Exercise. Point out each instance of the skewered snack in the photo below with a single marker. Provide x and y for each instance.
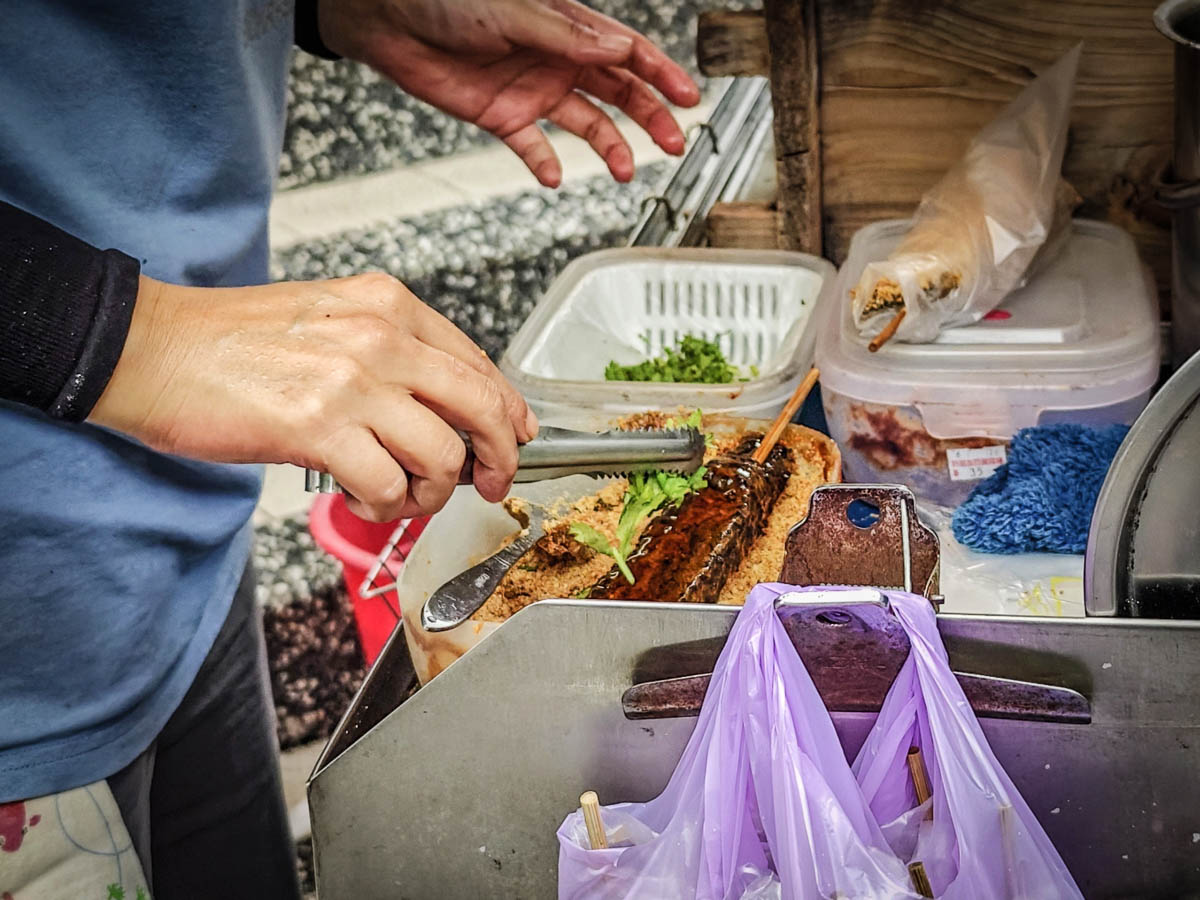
(687, 554)
(559, 573)
(977, 231)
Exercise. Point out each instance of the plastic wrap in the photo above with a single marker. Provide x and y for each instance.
(761, 796)
(1021, 584)
(982, 839)
(977, 230)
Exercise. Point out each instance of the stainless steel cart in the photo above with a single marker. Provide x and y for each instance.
(456, 790)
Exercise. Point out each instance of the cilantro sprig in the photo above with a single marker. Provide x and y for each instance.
(694, 420)
(693, 360)
(647, 492)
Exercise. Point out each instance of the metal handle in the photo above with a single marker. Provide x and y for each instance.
(320, 482)
(853, 648)
(323, 483)
(558, 452)
(1178, 195)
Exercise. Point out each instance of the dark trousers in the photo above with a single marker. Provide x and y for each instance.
(204, 803)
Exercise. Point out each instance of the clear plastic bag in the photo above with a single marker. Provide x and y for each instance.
(762, 803)
(977, 231)
(982, 841)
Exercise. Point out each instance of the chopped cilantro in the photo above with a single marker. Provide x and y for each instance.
(693, 360)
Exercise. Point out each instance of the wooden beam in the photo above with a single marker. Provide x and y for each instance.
(731, 42)
(744, 226)
(795, 94)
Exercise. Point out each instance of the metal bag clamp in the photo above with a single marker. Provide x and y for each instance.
(863, 534)
(850, 642)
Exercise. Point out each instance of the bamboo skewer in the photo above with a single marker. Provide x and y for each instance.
(920, 778)
(771, 438)
(920, 880)
(916, 767)
(889, 330)
(590, 804)
(1007, 838)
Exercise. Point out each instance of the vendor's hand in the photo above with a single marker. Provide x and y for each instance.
(505, 64)
(355, 376)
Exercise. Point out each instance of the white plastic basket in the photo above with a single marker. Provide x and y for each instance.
(627, 305)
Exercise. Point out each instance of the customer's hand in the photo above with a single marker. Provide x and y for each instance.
(505, 64)
(354, 376)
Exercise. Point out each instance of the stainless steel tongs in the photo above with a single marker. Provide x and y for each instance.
(558, 452)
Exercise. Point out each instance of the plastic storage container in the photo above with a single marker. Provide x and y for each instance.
(626, 305)
(1079, 343)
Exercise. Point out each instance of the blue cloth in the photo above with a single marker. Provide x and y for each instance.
(151, 126)
(1042, 499)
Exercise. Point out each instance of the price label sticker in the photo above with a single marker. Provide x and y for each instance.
(975, 463)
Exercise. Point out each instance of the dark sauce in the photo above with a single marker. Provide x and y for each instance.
(687, 554)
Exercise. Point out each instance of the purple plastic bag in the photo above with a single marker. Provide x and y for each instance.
(761, 805)
(983, 841)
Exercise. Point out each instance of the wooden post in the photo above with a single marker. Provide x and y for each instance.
(795, 91)
(744, 226)
(731, 42)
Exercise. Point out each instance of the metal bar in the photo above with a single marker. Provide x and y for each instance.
(716, 151)
(853, 647)
(369, 589)
(751, 160)
(990, 698)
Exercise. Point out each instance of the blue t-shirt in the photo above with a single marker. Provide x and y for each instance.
(153, 127)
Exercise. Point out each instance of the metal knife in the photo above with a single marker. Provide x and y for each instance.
(459, 598)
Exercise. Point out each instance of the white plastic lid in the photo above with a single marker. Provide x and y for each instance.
(1082, 334)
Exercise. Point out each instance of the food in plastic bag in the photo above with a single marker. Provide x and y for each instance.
(982, 840)
(762, 803)
(977, 230)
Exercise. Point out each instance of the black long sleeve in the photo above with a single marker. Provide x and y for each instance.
(307, 33)
(65, 308)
